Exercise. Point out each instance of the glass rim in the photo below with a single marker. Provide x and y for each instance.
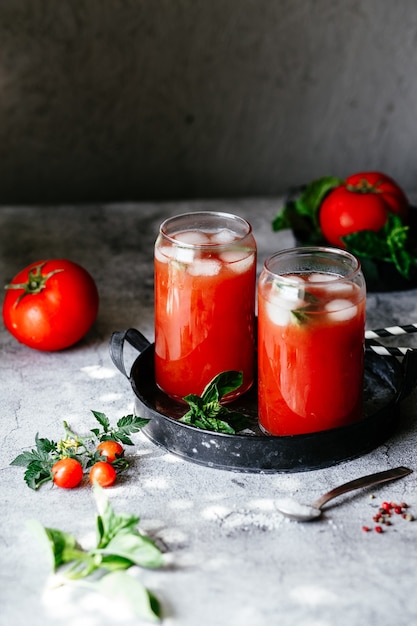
(197, 214)
(310, 250)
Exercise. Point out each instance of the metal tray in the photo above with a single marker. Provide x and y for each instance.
(387, 382)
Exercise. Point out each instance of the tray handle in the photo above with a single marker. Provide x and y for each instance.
(117, 342)
(409, 366)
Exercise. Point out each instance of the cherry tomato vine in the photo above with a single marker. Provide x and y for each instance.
(100, 453)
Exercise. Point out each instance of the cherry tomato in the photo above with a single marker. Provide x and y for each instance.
(111, 450)
(67, 473)
(361, 203)
(50, 305)
(103, 473)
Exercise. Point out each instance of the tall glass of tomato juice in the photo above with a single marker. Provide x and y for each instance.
(205, 275)
(311, 325)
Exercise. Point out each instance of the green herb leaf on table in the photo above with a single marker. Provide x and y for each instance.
(120, 546)
(208, 413)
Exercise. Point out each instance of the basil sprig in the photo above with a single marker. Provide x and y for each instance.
(103, 569)
(208, 413)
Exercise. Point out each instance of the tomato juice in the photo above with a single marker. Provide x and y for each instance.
(204, 305)
(310, 352)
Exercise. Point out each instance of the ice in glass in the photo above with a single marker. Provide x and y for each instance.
(311, 324)
(205, 273)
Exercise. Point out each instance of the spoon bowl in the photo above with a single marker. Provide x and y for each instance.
(306, 513)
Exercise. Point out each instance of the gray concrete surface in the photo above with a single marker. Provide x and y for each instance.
(230, 556)
(105, 100)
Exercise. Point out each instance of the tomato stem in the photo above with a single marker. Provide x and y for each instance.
(364, 186)
(35, 283)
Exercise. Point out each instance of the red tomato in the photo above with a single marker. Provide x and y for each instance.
(50, 305)
(67, 473)
(361, 203)
(111, 450)
(103, 473)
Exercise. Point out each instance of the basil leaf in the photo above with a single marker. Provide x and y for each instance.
(60, 545)
(206, 410)
(108, 523)
(135, 547)
(391, 244)
(222, 384)
(301, 213)
(120, 585)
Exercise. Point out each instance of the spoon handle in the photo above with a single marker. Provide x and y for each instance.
(364, 481)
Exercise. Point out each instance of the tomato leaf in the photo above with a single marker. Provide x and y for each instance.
(37, 473)
(38, 462)
(127, 425)
(102, 419)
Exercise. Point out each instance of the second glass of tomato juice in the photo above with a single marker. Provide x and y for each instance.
(205, 276)
(311, 325)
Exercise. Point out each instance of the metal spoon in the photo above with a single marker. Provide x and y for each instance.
(305, 513)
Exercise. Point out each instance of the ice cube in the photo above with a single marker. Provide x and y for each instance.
(184, 255)
(277, 314)
(225, 235)
(290, 295)
(192, 237)
(318, 277)
(237, 260)
(341, 310)
(341, 290)
(164, 254)
(205, 267)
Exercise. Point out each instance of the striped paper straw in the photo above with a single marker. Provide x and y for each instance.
(391, 331)
(376, 347)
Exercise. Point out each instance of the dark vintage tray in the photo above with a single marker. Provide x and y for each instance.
(387, 382)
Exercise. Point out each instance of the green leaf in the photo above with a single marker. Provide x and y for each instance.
(108, 522)
(60, 545)
(139, 549)
(120, 585)
(126, 426)
(45, 446)
(205, 411)
(23, 459)
(102, 420)
(313, 195)
(112, 562)
(222, 384)
(391, 244)
(216, 425)
(37, 473)
(42, 452)
(301, 213)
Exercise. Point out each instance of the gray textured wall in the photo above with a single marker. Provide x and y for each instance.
(134, 99)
